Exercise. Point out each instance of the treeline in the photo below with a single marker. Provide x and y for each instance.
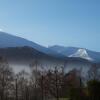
(41, 84)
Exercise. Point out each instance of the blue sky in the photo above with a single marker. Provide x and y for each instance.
(49, 22)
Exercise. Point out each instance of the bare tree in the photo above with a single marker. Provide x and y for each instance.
(6, 77)
(51, 83)
(21, 85)
(94, 72)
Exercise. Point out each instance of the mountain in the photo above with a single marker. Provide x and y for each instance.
(82, 53)
(77, 52)
(24, 54)
(63, 50)
(8, 40)
(20, 58)
(20, 53)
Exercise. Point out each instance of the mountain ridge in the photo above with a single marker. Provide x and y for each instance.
(68, 51)
(8, 40)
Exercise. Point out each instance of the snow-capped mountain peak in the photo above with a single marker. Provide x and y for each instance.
(82, 53)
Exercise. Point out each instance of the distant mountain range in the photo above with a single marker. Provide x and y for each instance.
(10, 43)
(8, 40)
(77, 52)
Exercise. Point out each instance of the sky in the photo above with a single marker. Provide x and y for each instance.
(53, 22)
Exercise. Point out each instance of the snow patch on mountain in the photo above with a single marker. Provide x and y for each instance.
(82, 53)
